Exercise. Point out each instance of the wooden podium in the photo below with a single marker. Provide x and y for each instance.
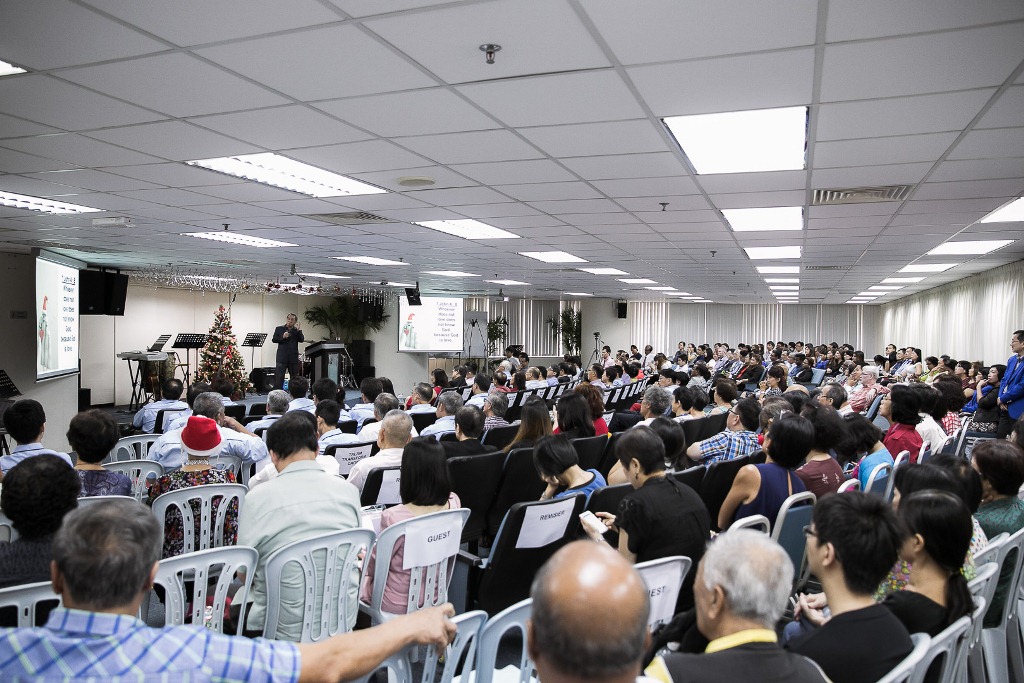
(330, 359)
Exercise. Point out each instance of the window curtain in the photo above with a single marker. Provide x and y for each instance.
(527, 321)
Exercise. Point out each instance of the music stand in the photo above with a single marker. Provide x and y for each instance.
(255, 340)
(158, 345)
(189, 342)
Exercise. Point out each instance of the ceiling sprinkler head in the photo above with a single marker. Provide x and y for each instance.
(489, 49)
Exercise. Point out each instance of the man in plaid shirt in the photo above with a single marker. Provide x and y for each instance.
(737, 440)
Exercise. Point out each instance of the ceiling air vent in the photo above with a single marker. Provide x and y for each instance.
(349, 218)
(828, 267)
(861, 195)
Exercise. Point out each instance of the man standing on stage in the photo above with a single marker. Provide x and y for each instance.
(287, 338)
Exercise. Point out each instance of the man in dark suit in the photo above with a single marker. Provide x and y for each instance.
(469, 426)
(287, 337)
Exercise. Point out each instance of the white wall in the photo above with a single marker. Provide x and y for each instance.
(599, 315)
(17, 351)
(403, 369)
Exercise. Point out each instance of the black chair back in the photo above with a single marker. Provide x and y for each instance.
(607, 499)
(422, 420)
(590, 451)
(369, 421)
(161, 415)
(237, 412)
(372, 486)
(348, 426)
(499, 437)
(717, 482)
(519, 483)
(258, 409)
(448, 436)
(475, 480)
(692, 430)
(609, 458)
(693, 477)
(713, 424)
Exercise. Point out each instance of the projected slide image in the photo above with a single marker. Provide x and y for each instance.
(56, 319)
(436, 325)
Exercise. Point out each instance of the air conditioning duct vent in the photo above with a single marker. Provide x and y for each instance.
(861, 195)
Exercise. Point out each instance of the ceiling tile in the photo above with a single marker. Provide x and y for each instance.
(174, 140)
(97, 181)
(753, 182)
(542, 191)
(78, 149)
(613, 137)
(979, 169)
(841, 153)
(45, 99)
(626, 166)
(900, 115)
(358, 157)
(174, 174)
(998, 142)
(866, 176)
(410, 113)
(1008, 111)
(471, 147)
(282, 127)
(513, 172)
(16, 162)
(646, 187)
(855, 19)
(460, 196)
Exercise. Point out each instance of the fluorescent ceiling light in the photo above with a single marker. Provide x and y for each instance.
(968, 248)
(869, 295)
(553, 256)
(21, 201)
(1011, 213)
(507, 282)
(469, 229)
(776, 288)
(451, 273)
(757, 253)
(777, 218)
(604, 271)
(326, 276)
(778, 270)
(392, 284)
(371, 260)
(636, 281)
(578, 294)
(787, 280)
(901, 280)
(288, 174)
(927, 267)
(743, 141)
(7, 69)
(662, 289)
(676, 292)
(883, 288)
(692, 298)
(239, 239)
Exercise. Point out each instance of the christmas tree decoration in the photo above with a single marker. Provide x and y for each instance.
(221, 356)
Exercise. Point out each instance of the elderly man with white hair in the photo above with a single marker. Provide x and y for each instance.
(863, 394)
(740, 591)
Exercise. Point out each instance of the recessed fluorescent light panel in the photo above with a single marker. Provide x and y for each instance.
(288, 174)
(370, 260)
(9, 69)
(782, 280)
(507, 282)
(968, 248)
(757, 253)
(676, 292)
(636, 281)
(777, 218)
(743, 141)
(392, 284)
(21, 201)
(927, 267)
(451, 273)
(883, 288)
(661, 289)
(778, 270)
(577, 294)
(239, 239)
(901, 280)
(604, 271)
(552, 256)
(869, 295)
(776, 288)
(326, 276)
(1011, 213)
(468, 229)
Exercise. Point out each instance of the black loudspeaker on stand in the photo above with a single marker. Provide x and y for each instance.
(620, 308)
(262, 379)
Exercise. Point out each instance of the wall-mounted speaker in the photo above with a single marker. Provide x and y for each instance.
(620, 308)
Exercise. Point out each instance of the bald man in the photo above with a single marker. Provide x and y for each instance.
(589, 617)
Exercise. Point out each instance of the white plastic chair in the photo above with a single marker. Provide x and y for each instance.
(924, 454)
(983, 587)
(211, 523)
(664, 578)
(972, 665)
(429, 563)
(7, 531)
(198, 570)
(902, 460)
(512, 618)
(849, 485)
(951, 646)
(878, 482)
(788, 532)
(755, 522)
(224, 461)
(26, 597)
(904, 671)
(1001, 644)
(140, 472)
(131, 448)
(328, 568)
(93, 500)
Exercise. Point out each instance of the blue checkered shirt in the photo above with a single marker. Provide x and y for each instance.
(76, 644)
(728, 445)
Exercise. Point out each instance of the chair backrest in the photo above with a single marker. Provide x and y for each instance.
(968, 440)
(519, 483)
(529, 535)
(211, 522)
(187, 579)
(692, 477)
(692, 430)
(817, 376)
(7, 532)
(607, 498)
(849, 485)
(872, 410)
(140, 472)
(328, 568)
(27, 598)
(611, 398)
(590, 451)
(788, 530)
(972, 651)
(236, 411)
(711, 425)
(431, 543)
(131, 448)
(164, 417)
(983, 589)
(475, 479)
(257, 410)
(904, 671)
(664, 579)
(902, 460)
(231, 463)
(924, 454)
(381, 487)
(349, 454)
(717, 484)
(93, 500)
(990, 553)
(512, 618)
(755, 522)
(1008, 557)
(945, 651)
(419, 420)
(499, 437)
(878, 482)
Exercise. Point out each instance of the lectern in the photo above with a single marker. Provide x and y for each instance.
(330, 359)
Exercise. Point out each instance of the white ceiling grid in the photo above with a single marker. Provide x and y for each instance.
(559, 141)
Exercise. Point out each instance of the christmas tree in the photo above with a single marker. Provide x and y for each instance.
(221, 355)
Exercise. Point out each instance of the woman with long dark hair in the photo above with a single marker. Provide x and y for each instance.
(901, 407)
(534, 424)
(986, 401)
(572, 413)
(439, 378)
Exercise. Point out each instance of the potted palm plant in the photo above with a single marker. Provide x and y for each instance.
(342, 320)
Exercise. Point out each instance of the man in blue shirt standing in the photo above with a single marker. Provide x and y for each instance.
(1011, 389)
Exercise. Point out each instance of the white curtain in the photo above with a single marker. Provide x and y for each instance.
(649, 324)
(970, 319)
(527, 321)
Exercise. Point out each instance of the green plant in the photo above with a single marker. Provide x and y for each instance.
(341, 319)
(497, 331)
(567, 329)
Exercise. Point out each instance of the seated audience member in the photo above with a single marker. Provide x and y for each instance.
(369, 389)
(495, 408)
(200, 439)
(576, 594)
(835, 397)
(302, 501)
(671, 434)
(424, 487)
(448, 404)
(595, 401)
(901, 407)
(277, 405)
(226, 389)
(774, 383)
(170, 399)
(573, 417)
(388, 387)
(761, 489)
(535, 379)
(237, 440)
(654, 404)
(458, 379)
(92, 435)
(852, 542)
(863, 445)
(551, 375)
(382, 405)
(931, 433)
(822, 474)
(395, 433)
(178, 420)
(36, 495)
(95, 634)
(660, 517)
(558, 466)
(986, 400)
(534, 424)
(471, 370)
(1017, 433)
(25, 421)
(499, 381)
(740, 591)
(439, 380)
(328, 463)
(684, 404)
(737, 440)
(469, 427)
(609, 375)
(725, 393)
(325, 389)
(1001, 466)
(327, 415)
(478, 394)
(421, 398)
(700, 376)
(298, 387)
(951, 402)
(862, 396)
